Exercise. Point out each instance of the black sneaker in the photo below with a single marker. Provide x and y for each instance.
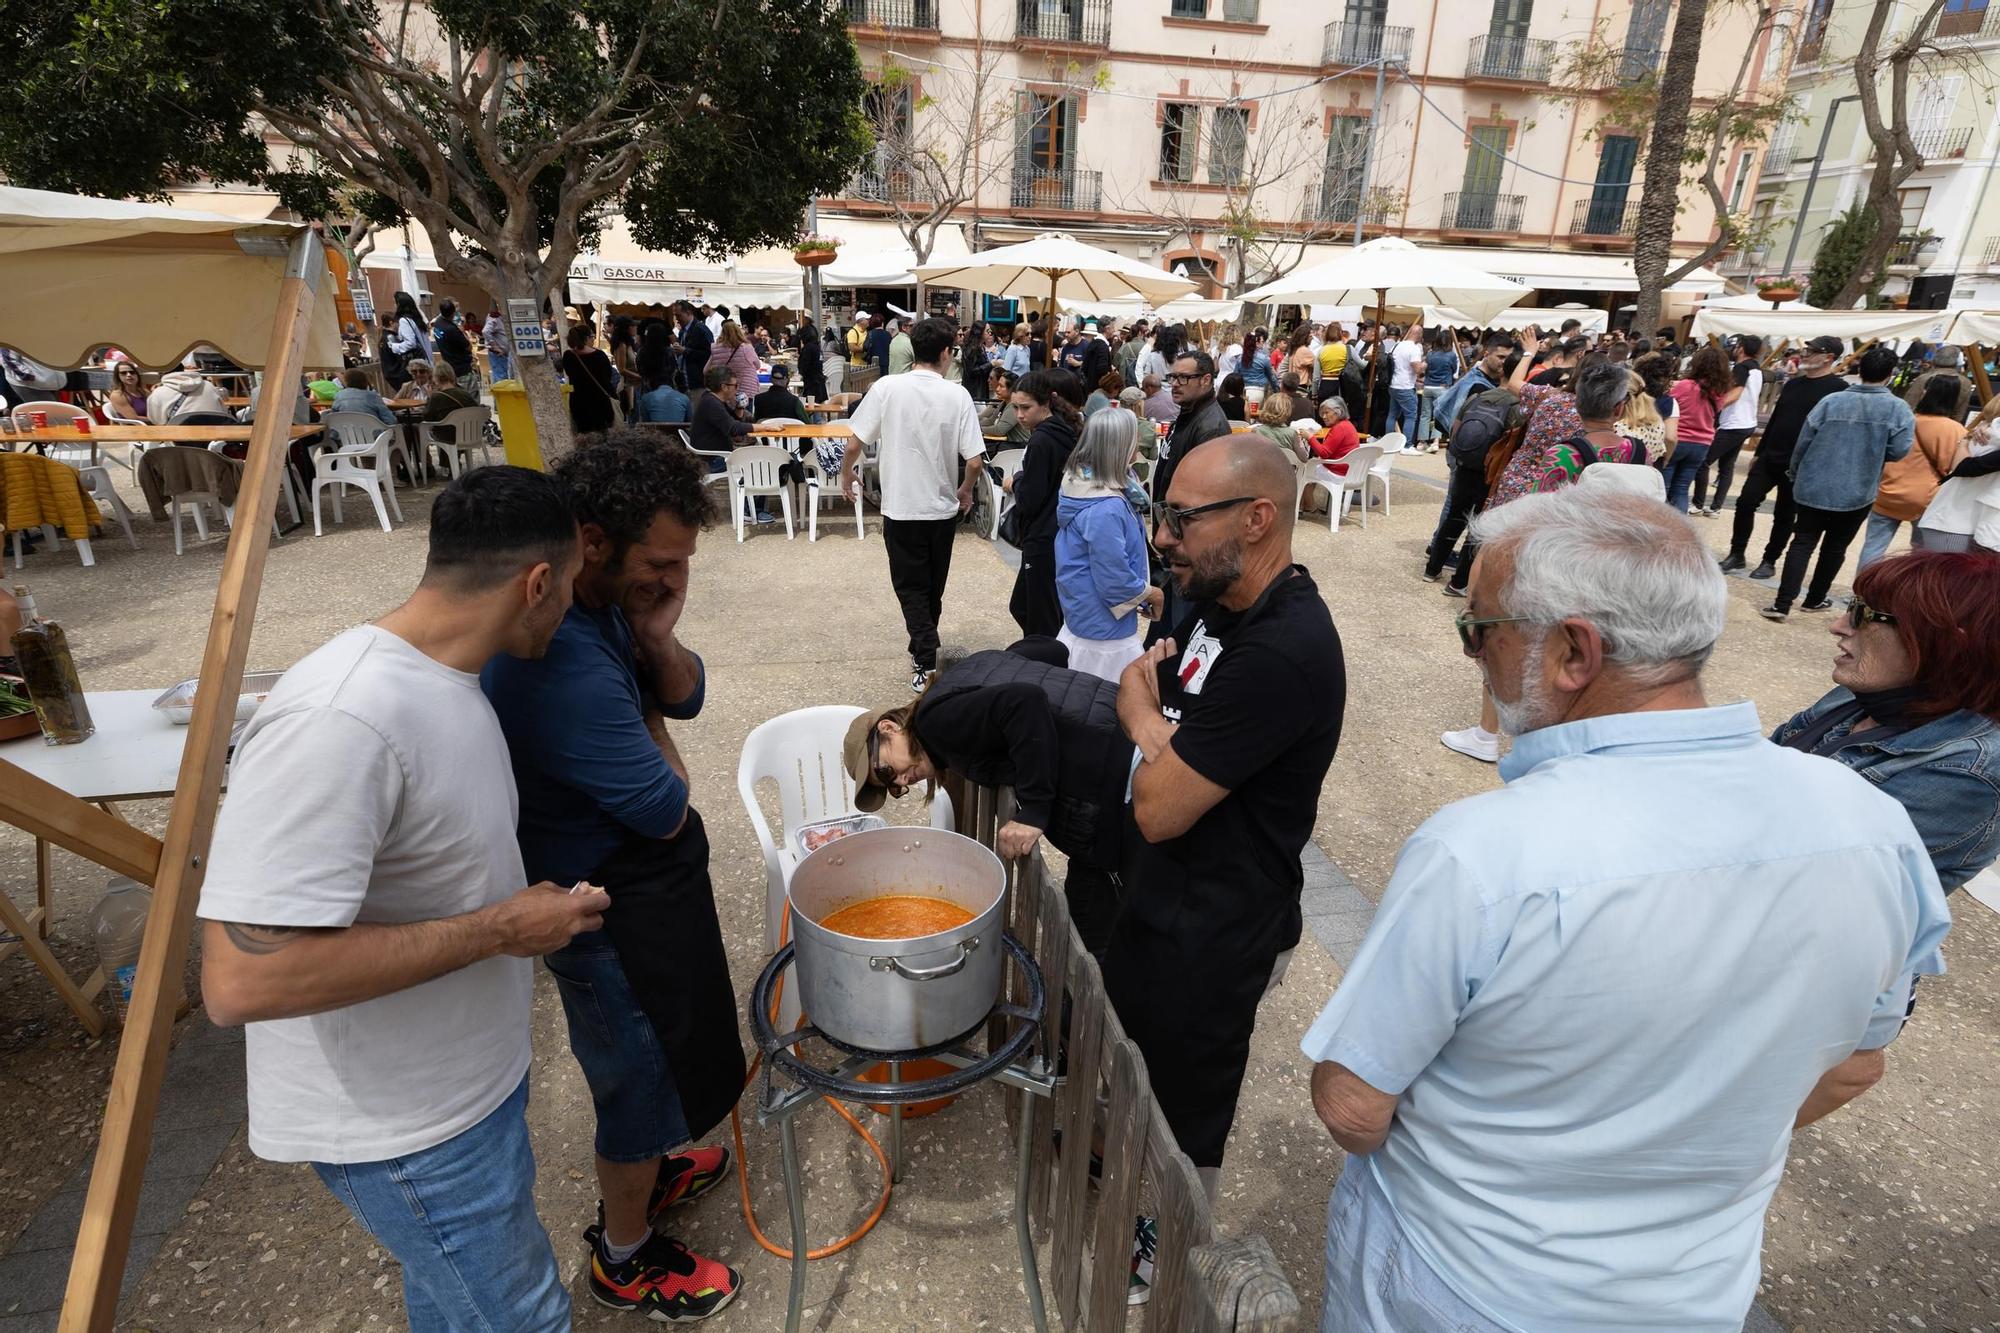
(1452, 591)
(1731, 563)
(1145, 1243)
(1823, 604)
(1433, 577)
(663, 1279)
(920, 680)
(1767, 570)
(1775, 612)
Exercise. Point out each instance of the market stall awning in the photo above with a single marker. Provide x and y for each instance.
(1551, 270)
(1752, 301)
(250, 206)
(1390, 271)
(1975, 326)
(1056, 265)
(80, 273)
(1798, 325)
(870, 262)
(1546, 318)
(1180, 309)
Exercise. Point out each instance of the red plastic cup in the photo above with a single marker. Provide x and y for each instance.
(82, 425)
(40, 420)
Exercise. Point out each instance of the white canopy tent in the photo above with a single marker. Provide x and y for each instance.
(1975, 326)
(890, 264)
(1888, 326)
(1546, 318)
(1180, 309)
(1547, 270)
(1752, 301)
(1391, 271)
(66, 259)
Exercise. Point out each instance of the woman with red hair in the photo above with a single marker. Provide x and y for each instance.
(1917, 699)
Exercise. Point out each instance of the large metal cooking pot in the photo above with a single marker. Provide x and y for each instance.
(898, 995)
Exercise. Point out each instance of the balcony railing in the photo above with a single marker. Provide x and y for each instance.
(1064, 189)
(889, 184)
(1604, 217)
(922, 14)
(1483, 212)
(1365, 43)
(1070, 22)
(1969, 23)
(1778, 154)
(1905, 253)
(1338, 202)
(1989, 258)
(1524, 58)
(1636, 62)
(1938, 142)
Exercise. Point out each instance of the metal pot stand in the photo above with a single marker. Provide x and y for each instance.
(1019, 1062)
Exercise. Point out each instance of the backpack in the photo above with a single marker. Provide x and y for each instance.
(1482, 422)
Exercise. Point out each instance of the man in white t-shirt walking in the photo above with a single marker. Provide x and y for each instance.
(930, 455)
(364, 915)
(1406, 373)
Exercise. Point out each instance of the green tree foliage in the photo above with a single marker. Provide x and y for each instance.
(1842, 251)
(506, 131)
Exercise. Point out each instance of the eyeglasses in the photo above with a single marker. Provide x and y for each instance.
(1182, 377)
(1174, 518)
(1860, 613)
(1471, 629)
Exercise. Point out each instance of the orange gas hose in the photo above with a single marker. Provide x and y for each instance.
(736, 1129)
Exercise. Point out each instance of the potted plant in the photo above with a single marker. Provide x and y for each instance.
(812, 250)
(1779, 290)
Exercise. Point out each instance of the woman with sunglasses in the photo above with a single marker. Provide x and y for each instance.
(1011, 718)
(1917, 699)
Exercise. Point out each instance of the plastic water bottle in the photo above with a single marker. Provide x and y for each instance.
(119, 925)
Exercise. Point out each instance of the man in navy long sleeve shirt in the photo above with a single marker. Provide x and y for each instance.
(604, 799)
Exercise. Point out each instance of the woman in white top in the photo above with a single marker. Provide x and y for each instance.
(1964, 515)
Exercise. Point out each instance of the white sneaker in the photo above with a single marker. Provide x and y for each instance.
(1476, 742)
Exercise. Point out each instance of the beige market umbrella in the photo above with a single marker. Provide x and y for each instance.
(1059, 264)
(1391, 271)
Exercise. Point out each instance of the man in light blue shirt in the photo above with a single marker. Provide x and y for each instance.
(1572, 1050)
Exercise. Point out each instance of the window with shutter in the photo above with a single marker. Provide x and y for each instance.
(1228, 144)
(1179, 124)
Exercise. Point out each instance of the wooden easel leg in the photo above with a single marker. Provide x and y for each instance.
(51, 967)
(42, 884)
(105, 1237)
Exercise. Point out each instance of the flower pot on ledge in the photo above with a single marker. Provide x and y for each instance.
(813, 258)
(1779, 293)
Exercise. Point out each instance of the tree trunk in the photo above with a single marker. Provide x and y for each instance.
(1896, 155)
(1659, 197)
(537, 374)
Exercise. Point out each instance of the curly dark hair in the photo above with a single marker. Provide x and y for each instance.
(619, 480)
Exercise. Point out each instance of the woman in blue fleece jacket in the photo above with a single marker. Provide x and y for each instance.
(1101, 550)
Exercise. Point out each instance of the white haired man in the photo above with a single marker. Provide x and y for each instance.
(1571, 1052)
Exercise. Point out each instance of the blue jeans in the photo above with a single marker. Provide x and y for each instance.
(1681, 470)
(1427, 428)
(1881, 531)
(501, 367)
(1403, 411)
(1375, 1278)
(460, 1219)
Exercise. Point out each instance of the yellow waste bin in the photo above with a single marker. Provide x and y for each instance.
(517, 423)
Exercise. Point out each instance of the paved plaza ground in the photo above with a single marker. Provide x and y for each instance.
(1885, 1218)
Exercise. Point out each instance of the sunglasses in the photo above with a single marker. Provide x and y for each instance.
(1174, 518)
(884, 776)
(1859, 613)
(1472, 630)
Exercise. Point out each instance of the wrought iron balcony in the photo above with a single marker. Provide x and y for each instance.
(920, 14)
(1779, 153)
(888, 184)
(1522, 59)
(1482, 212)
(1062, 190)
(1339, 202)
(1350, 43)
(1989, 259)
(1064, 22)
(1938, 142)
(1913, 251)
(1604, 217)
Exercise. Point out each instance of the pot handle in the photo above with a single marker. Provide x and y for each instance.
(956, 965)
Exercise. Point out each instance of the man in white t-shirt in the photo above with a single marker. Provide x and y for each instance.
(1734, 424)
(1406, 362)
(930, 455)
(364, 915)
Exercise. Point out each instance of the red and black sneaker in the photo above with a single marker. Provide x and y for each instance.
(663, 1279)
(685, 1176)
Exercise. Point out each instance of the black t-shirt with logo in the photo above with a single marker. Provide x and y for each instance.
(1259, 696)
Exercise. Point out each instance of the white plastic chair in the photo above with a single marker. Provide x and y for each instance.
(353, 430)
(1009, 463)
(468, 435)
(1392, 443)
(96, 477)
(362, 466)
(820, 487)
(754, 470)
(1339, 487)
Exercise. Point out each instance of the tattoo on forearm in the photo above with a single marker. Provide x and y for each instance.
(260, 939)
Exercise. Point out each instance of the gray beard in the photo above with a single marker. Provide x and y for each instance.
(1534, 709)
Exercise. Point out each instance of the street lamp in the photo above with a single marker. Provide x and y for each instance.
(1799, 223)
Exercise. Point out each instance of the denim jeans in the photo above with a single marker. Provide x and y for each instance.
(1403, 409)
(1681, 469)
(1427, 430)
(1881, 531)
(460, 1219)
(1375, 1278)
(501, 367)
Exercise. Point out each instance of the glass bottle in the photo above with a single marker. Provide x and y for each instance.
(42, 650)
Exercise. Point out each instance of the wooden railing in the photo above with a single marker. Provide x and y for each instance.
(1201, 1282)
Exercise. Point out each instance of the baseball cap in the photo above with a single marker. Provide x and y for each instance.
(856, 755)
(1826, 343)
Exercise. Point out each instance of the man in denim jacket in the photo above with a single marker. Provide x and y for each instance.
(1836, 470)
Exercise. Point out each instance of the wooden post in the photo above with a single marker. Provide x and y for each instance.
(1239, 1288)
(1976, 353)
(91, 1302)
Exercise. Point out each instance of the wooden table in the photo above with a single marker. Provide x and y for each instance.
(239, 433)
(828, 430)
(135, 754)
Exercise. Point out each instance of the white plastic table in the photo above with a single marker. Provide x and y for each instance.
(135, 753)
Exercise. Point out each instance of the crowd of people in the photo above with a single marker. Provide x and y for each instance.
(1547, 1009)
